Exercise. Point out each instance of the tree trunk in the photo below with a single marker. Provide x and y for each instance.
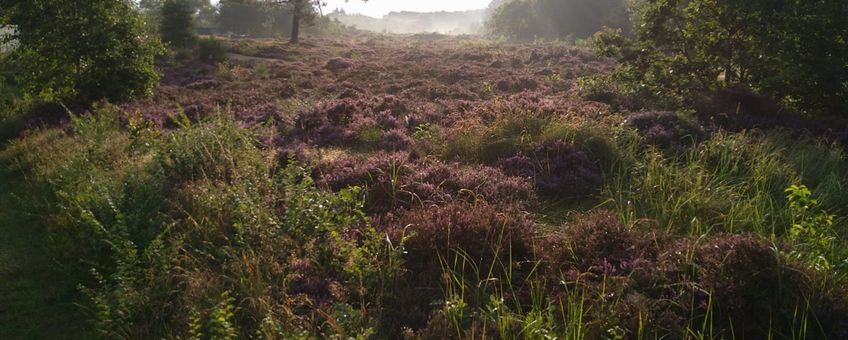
(296, 12)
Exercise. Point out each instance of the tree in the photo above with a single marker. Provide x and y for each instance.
(202, 11)
(83, 50)
(301, 10)
(249, 17)
(793, 50)
(554, 19)
(177, 26)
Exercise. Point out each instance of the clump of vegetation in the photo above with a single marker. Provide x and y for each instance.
(557, 169)
(177, 26)
(162, 220)
(549, 19)
(436, 187)
(393, 180)
(211, 50)
(666, 130)
(109, 55)
(682, 49)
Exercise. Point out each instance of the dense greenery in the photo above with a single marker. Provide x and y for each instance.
(555, 19)
(425, 187)
(177, 26)
(268, 17)
(795, 51)
(203, 11)
(159, 220)
(250, 17)
(82, 50)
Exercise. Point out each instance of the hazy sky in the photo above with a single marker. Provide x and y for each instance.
(378, 8)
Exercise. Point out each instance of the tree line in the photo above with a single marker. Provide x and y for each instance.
(791, 50)
(84, 51)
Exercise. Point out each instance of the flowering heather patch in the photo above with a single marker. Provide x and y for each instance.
(339, 64)
(439, 237)
(740, 108)
(348, 120)
(742, 278)
(395, 180)
(557, 169)
(395, 140)
(467, 148)
(666, 130)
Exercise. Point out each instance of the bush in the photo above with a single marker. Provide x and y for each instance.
(666, 130)
(550, 19)
(392, 180)
(723, 284)
(557, 169)
(110, 55)
(156, 226)
(177, 26)
(472, 238)
(211, 50)
(676, 50)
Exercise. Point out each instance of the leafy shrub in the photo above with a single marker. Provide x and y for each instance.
(527, 20)
(109, 56)
(623, 93)
(812, 232)
(211, 50)
(177, 26)
(676, 50)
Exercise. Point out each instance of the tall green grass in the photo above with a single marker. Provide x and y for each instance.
(196, 232)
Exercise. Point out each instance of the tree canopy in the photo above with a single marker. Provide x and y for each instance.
(793, 50)
(82, 50)
(553, 19)
(177, 27)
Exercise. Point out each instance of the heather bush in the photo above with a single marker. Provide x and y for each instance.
(344, 121)
(383, 177)
(666, 130)
(339, 64)
(739, 108)
(440, 237)
(557, 169)
(393, 180)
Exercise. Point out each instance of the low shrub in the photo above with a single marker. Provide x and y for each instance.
(211, 50)
(480, 238)
(666, 130)
(393, 180)
(557, 169)
(347, 121)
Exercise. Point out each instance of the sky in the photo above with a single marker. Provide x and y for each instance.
(378, 8)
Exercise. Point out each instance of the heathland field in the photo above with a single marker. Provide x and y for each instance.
(422, 186)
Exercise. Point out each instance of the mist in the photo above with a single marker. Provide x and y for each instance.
(452, 23)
